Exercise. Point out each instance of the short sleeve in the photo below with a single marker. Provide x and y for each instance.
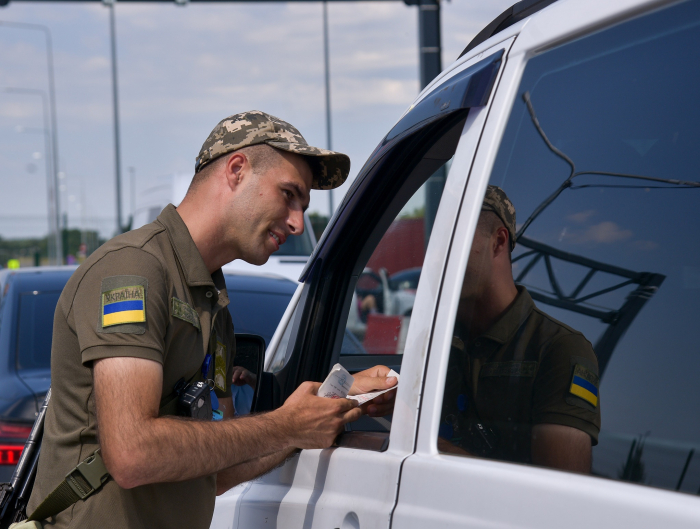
(120, 307)
(556, 398)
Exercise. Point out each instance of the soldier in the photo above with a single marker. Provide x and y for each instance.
(521, 386)
(147, 313)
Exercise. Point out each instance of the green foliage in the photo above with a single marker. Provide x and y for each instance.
(319, 223)
(34, 251)
(418, 213)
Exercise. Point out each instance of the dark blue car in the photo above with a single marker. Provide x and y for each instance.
(28, 299)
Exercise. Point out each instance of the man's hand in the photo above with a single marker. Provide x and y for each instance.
(315, 422)
(375, 379)
(241, 376)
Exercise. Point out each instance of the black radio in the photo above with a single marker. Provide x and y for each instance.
(194, 400)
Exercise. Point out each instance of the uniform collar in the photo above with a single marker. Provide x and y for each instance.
(508, 324)
(193, 267)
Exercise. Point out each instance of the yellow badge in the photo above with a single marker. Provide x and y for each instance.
(220, 366)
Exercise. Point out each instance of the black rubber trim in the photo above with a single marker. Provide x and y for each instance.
(510, 16)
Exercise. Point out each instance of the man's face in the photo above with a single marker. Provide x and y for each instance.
(270, 208)
(478, 267)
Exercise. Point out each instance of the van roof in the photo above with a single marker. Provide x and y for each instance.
(510, 16)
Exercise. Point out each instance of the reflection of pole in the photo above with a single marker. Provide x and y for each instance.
(430, 67)
(115, 106)
(52, 191)
(327, 68)
(48, 162)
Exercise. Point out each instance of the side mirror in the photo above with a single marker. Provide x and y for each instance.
(250, 354)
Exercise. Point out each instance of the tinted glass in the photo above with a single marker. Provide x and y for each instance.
(599, 160)
(35, 328)
(257, 312)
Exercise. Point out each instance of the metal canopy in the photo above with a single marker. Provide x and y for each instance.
(617, 320)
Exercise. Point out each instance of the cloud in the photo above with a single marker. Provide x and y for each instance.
(581, 217)
(606, 232)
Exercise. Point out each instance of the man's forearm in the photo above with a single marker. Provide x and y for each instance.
(211, 447)
(252, 469)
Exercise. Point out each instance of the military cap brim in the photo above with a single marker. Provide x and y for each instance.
(330, 169)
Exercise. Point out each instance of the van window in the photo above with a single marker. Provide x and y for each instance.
(587, 333)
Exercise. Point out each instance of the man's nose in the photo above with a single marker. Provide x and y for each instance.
(296, 222)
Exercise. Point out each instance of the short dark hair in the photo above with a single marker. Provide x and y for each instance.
(261, 158)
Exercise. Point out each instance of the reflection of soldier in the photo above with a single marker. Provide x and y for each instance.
(521, 386)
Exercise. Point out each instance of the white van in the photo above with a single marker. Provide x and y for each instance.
(586, 114)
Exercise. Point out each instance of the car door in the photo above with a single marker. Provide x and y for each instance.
(355, 483)
(591, 135)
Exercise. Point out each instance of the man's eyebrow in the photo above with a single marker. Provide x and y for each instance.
(300, 193)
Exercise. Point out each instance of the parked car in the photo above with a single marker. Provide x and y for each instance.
(27, 305)
(585, 113)
(28, 298)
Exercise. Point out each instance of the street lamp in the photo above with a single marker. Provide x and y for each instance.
(55, 242)
(54, 205)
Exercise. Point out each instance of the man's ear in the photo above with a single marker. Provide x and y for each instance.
(236, 168)
(501, 241)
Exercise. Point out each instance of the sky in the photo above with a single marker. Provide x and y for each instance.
(180, 71)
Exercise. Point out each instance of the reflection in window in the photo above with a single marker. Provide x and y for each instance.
(598, 158)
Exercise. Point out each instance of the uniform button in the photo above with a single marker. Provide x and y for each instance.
(209, 293)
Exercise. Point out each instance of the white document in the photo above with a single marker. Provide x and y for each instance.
(337, 383)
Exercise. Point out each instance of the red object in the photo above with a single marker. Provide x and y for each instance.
(402, 247)
(9, 454)
(15, 430)
(382, 335)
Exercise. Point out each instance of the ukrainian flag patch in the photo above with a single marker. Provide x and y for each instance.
(124, 305)
(584, 384)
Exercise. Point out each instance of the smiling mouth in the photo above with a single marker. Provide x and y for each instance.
(277, 239)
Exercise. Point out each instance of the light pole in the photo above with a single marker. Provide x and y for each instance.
(327, 76)
(55, 243)
(54, 204)
(115, 108)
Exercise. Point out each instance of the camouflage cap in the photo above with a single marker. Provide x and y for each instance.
(330, 169)
(497, 201)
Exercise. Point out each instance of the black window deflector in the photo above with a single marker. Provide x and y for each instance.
(470, 88)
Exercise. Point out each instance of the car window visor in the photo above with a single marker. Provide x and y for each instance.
(469, 88)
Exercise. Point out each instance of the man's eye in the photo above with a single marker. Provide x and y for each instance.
(288, 194)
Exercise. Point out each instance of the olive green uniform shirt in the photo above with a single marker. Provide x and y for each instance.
(158, 268)
(517, 374)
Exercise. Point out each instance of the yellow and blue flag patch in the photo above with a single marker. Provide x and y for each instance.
(584, 384)
(123, 305)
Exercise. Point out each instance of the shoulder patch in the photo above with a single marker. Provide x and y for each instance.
(185, 312)
(123, 304)
(584, 384)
